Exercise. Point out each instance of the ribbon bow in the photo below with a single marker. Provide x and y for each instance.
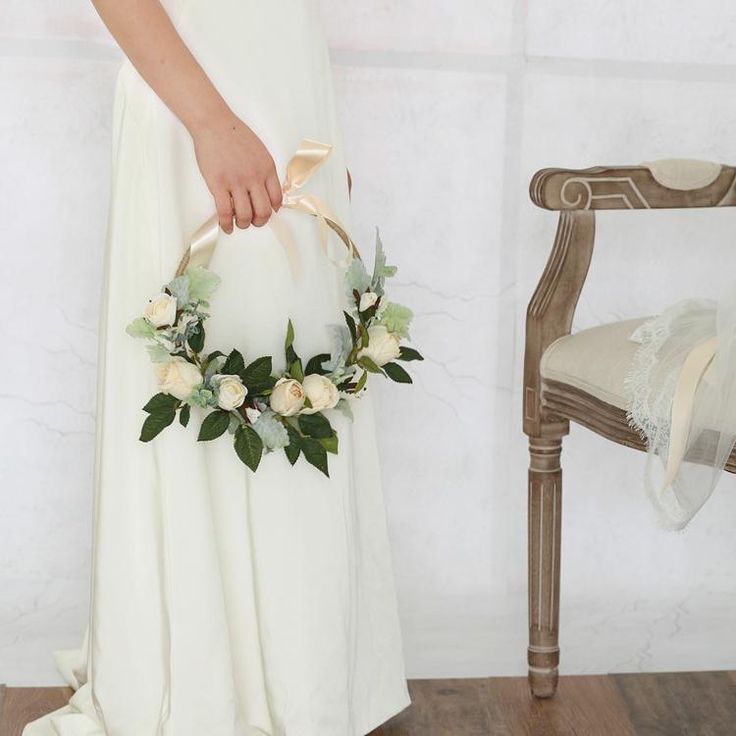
(310, 156)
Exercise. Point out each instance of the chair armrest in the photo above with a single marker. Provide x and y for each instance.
(670, 183)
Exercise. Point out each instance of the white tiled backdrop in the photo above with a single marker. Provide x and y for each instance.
(448, 109)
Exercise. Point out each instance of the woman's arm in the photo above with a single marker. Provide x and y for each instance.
(235, 164)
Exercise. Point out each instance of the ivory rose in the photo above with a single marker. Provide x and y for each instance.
(161, 310)
(231, 392)
(383, 346)
(321, 392)
(287, 397)
(367, 300)
(178, 378)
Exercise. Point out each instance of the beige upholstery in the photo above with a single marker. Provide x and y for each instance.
(595, 360)
(684, 174)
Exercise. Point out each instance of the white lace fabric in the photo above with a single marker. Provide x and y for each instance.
(665, 342)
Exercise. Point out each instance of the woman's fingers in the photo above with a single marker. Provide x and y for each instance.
(273, 188)
(224, 205)
(243, 209)
(261, 203)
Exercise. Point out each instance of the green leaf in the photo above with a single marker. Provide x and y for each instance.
(296, 370)
(214, 426)
(234, 365)
(361, 382)
(294, 448)
(161, 403)
(315, 364)
(410, 354)
(291, 355)
(155, 424)
(396, 373)
(351, 326)
(184, 414)
(259, 389)
(315, 455)
(289, 335)
(258, 372)
(315, 425)
(330, 443)
(369, 365)
(196, 339)
(248, 446)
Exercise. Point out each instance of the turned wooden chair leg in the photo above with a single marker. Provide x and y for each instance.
(545, 500)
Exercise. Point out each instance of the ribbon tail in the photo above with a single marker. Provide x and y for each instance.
(692, 371)
(284, 235)
(201, 246)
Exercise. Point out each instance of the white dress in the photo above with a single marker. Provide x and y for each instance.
(227, 603)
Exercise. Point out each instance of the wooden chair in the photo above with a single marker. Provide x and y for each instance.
(579, 377)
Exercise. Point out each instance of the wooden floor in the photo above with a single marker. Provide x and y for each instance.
(688, 704)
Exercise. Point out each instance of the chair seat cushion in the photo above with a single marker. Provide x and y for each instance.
(595, 360)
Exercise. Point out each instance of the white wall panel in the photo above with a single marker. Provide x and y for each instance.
(630, 30)
(458, 26)
(417, 148)
(441, 161)
(69, 19)
(55, 148)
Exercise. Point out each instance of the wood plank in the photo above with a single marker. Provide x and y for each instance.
(25, 704)
(680, 704)
(454, 707)
(674, 704)
(583, 706)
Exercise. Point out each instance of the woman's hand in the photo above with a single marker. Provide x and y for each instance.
(239, 172)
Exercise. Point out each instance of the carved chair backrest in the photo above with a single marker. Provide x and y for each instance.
(576, 194)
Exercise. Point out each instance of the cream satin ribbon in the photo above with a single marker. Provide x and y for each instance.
(310, 156)
(683, 400)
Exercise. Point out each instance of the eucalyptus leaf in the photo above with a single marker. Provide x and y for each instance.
(343, 406)
(179, 287)
(202, 283)
(141, 327)
(158, 353)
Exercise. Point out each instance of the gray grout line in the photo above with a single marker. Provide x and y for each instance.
(512, 186)
(640, 70)
(426, 60)
(508, 64)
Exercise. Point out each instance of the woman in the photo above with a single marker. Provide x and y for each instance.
(223, 602)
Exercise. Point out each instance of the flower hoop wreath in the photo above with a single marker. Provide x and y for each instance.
(264, 411)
